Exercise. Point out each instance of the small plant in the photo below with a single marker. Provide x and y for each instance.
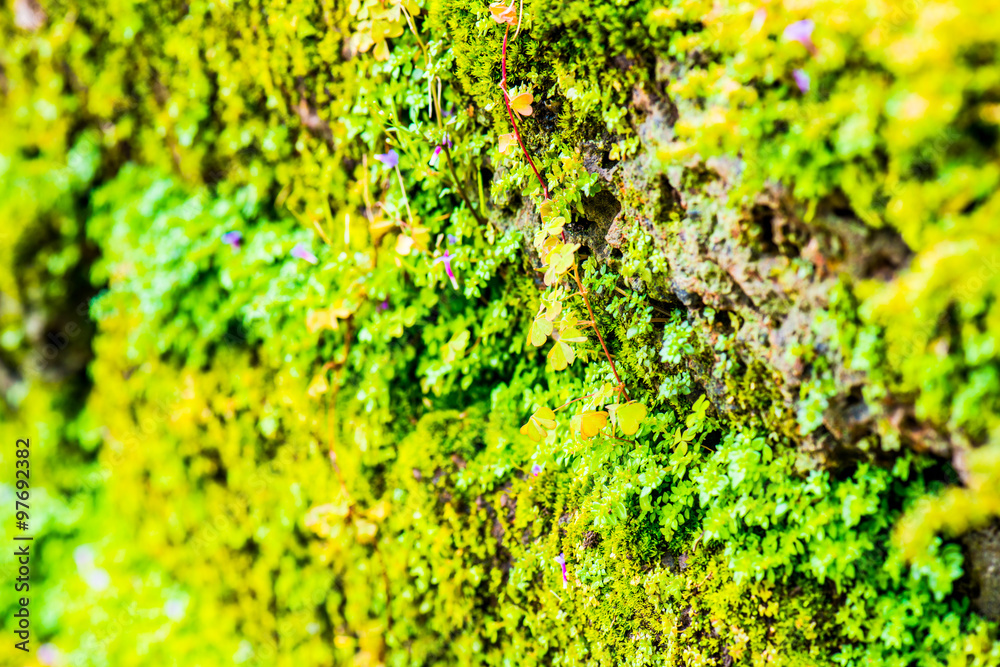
(559, 258)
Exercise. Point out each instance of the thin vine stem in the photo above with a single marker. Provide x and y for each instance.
(586, 300)
(545, 191)
(510, 113)
(436, 98)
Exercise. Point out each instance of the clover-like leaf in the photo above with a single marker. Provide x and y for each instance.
(539, 331)
(559, 260)
(539, 424)
(522, 103)
(546, 209)
(502, 13)
(552, 228)
(568, 331)
(588, 424)
(506, 141)
(545, 245)
(553, 305)
(602, 395)
(629, 416)
(561, 355)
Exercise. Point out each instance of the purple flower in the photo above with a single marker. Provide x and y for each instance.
(452, 239)
(562, 564)
(233, 239)
(446, 259)
(390, 159)
(382, 306)
(801, 32)
(801, 80)
(536, 470)
(302, 252)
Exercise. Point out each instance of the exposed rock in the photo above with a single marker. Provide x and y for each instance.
(983, 561)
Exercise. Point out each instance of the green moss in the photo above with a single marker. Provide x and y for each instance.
(322, 464)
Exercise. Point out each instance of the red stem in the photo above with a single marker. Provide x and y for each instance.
(510, 113)
(576, 276)
(545, 190)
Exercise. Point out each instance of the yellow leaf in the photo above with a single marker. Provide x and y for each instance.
(501, 13)
(522, 103)
(320, 319)
(546, 209)
(569, 333)
(327, 318)
(379, 30)
(392, 14)
(554, 227)
(561, 355)
(604, 393)
(630, 416)
(539, 424)
(378, 228)
(366, 530)
(404, 244)
(539, 331)
(506, 141)
(421, 237)
(318, 386)
(587, 424)
(547, 246)
(559, 261)
(418, 238)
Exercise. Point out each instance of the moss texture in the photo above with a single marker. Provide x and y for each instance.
(247, 457)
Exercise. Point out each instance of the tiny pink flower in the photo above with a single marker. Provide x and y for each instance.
(536, 470)
(801, 32)
(446, 260)
(562, 563)
(435, 156)
(301, 252)
(759, 17)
